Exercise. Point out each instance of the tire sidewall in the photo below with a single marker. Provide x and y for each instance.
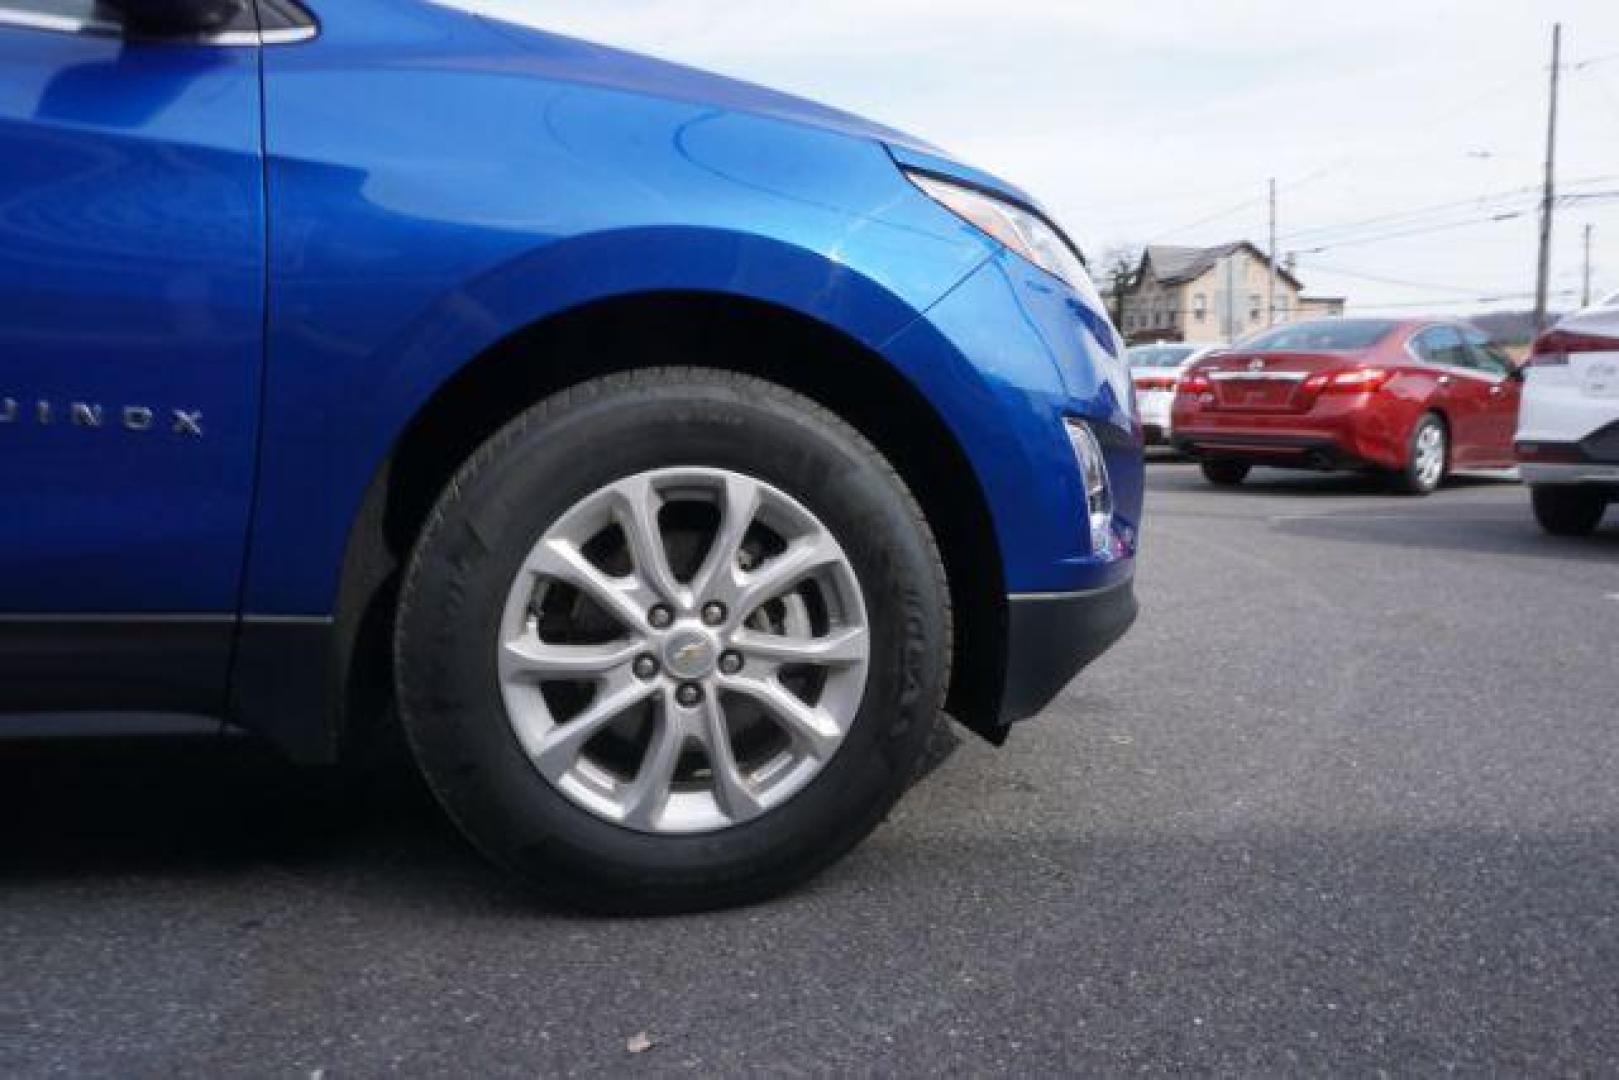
(1566, 511)
(1223, 473)
(1412, 479)
(500, 507)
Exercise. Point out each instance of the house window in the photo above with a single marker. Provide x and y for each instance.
(1254, 308)
(1200, 307)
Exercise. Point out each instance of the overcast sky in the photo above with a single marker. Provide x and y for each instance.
(1160, 121)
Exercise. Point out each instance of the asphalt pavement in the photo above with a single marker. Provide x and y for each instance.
(1344, 801)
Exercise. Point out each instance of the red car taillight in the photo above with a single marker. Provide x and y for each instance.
(1353, 381)
(1156, 382)
(1552, 348)
(1196, 383)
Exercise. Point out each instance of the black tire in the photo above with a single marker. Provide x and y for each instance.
(1568, 511)
(1412, 479)
(510, 492)
(1226, 473)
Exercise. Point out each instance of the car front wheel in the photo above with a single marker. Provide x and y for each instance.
(1568, 511)
(672, 640)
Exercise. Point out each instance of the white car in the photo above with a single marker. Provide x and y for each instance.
(1155, 370)
(1568, 425)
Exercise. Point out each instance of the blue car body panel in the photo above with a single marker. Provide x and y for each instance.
(486, 185)
(131, 285)
(304, 243)
(1008, 357)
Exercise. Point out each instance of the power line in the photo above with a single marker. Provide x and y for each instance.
(1467, 103)
(1501, 298)
(1206, 220)
(1331, 166)
(1401, 217)
(1361, 275)
(1423, 231)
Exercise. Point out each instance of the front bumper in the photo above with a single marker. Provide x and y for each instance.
(1011, 358)
(1593, 475)
(1592, 460)
(1051, 638)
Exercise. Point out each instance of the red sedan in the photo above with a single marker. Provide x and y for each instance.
(1410, 398)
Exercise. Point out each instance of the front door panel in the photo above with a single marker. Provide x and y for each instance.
(131, 321)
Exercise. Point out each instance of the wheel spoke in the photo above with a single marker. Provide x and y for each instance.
(646, 796)
(739, 504)
(801, 559)
(560, 747)
(811, 728)
(838, 649)
(636, 510)
(731, 789)
(562, 561)
(541, 660)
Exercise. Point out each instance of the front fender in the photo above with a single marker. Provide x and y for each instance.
(329, 427)
(471, 186)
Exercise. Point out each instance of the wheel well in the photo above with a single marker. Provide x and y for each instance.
(1439, 414)
(671, 329)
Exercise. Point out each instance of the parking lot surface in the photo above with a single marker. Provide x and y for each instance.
(1346, 799)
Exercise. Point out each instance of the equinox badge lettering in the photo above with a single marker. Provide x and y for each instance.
(90, 414)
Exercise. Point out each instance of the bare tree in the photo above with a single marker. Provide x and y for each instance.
(1117, 271)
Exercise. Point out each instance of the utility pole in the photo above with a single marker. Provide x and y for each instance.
(1228, 320)
(1270, 317)
(1543, 271)
(1585, 292)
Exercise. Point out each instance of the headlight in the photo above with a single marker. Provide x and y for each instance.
(1021, 230)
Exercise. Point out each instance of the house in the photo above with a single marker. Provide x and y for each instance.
(1210, 295)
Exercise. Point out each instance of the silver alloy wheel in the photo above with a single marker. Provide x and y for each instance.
(683, 650)
(1430, 455)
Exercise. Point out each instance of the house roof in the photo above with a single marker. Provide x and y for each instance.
(1173, 265)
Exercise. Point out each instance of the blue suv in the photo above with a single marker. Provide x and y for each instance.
(663, 454)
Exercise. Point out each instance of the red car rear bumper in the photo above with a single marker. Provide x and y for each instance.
(1340, 433)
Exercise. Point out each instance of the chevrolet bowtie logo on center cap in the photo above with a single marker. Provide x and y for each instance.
(690, 655)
